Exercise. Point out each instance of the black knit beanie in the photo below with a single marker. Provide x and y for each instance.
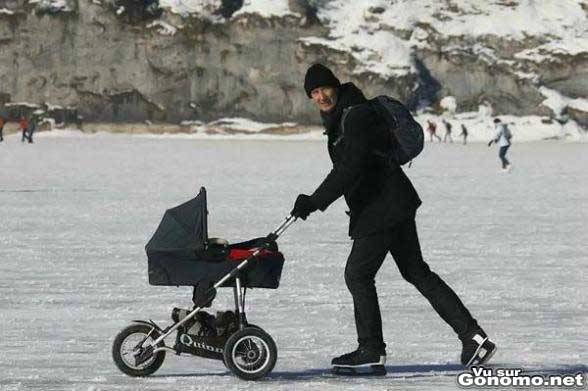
(319, 75)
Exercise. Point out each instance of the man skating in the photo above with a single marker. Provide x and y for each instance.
(23, 125)
(464, 134)
(32, 128)
(383, 204)
(448, 128)
(432, 129)
(502, 138)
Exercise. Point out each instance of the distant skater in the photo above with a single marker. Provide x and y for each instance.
(32, 128)
(432, 129)
(447, 136)
(2, 123)
(23, 124)
(502, 138)
(464, 134)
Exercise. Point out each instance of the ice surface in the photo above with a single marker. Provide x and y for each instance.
(76, 212)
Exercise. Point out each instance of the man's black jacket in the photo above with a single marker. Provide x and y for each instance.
(378, 195)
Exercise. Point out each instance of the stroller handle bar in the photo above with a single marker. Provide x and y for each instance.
(281, 228)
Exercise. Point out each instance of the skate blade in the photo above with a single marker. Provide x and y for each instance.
(488, 356)
(373, 370)
(476, 361)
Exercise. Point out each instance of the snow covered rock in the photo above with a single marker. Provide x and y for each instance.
(207, 59)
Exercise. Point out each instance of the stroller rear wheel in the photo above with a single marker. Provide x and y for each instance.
(129, 344)
(250, 353)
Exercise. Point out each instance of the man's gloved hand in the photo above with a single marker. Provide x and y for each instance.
(303, 207)
(490, 142)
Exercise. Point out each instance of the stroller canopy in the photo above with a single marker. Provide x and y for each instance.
(182, 232)
(179, 253)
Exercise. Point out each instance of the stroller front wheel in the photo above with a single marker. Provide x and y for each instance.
(129, 344)
(250, 353)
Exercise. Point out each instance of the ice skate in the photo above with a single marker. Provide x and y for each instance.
(477, 349)
(361, 362)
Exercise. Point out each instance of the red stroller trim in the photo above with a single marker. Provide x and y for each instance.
(239, 254)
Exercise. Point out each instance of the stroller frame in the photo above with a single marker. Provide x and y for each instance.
(157, 345)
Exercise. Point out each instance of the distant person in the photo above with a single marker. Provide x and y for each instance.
(2, 123)
(464, 134)
(32, 128)
(432, 129)
(23, 125)
(447, 136)
(503, 139)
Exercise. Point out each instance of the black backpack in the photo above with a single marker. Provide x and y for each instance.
(402, 126)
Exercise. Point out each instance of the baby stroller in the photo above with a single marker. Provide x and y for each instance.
(180, 253)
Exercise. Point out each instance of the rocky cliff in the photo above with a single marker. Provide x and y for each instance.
(119, 61)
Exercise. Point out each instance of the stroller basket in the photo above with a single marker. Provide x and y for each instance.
(180, 253)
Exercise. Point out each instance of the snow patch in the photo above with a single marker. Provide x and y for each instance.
(52, 5)
(370, 29)
(449, 104)
(377, 50)
(558, 102)
(163, 27)
(208, 8)
(203, 8)
(51, 107)
(314, 134)
(247, 125)
(24, 104)
(265, 8)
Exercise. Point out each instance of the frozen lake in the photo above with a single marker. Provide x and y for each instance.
(75, 214)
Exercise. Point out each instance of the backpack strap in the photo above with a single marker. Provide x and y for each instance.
(342, 124)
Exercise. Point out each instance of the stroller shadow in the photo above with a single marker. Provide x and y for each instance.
(193, 374)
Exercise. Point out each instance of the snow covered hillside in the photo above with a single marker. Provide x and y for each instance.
(209, 59)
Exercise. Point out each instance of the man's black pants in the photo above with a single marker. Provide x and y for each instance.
(365, 260)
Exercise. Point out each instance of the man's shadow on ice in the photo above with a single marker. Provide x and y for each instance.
(422, 371)
(404, 371)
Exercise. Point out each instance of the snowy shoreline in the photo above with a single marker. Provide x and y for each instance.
(479, 125)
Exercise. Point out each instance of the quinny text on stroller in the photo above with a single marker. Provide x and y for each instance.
(180, 253)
